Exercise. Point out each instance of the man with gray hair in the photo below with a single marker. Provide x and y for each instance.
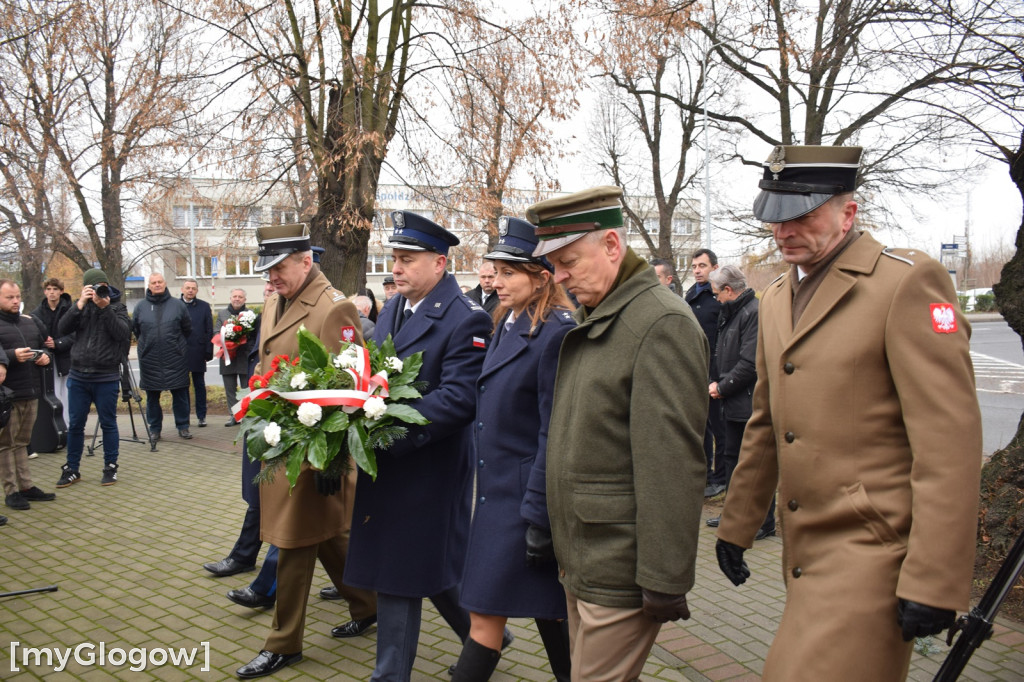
(363, 304)
(732, 386)
(236, 372)
(624, 508)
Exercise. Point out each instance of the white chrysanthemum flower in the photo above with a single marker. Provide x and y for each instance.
(247, 316)
(374, 408)
(299, 381)
(272, 433)
(309, 413)
(395, 364)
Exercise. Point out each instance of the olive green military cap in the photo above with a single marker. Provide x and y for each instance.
(563, 220)
(277, 242)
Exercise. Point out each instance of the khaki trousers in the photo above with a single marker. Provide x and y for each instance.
(608, 644)
(295, 569)
(14, 440)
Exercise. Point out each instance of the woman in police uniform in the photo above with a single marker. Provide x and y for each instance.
(510, 569)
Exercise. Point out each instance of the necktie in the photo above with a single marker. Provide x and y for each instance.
(405, 317)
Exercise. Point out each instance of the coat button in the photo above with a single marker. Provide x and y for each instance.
(481, 464)
(790, 436)
(788, 368)
(561, 573)
(793, 506)
(483, 389)
(482, 499)
(480, 426)
(797, 572)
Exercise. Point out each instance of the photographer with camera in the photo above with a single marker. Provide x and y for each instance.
(22, 337)
(103, 330)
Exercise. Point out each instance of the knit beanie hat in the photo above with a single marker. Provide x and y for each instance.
(93, 277)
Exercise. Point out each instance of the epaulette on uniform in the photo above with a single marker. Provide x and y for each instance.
(335, 294)
(902, 255)
(470, 303)
(564, 316)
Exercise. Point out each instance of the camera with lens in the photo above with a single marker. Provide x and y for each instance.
(101, 291)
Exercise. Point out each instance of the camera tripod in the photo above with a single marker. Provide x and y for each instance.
(129, 393)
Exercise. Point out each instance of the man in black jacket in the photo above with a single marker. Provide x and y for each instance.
(49, 311)
(161, 325)
(733, 385)
(199, 343)
(99, 321)
(484, 292)
(706, 307)
(21, 337)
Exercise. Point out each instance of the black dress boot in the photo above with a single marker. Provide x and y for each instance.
(476, 663)
(555, 635)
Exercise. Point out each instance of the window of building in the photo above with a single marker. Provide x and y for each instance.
(198, 217)
(682, 227)
(283, 216)
(242, 217)
(238, 264)
(377, 264)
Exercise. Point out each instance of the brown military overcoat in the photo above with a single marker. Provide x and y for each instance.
(867, 418)
(305, 517)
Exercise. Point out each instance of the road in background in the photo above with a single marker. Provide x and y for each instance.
(999, 372)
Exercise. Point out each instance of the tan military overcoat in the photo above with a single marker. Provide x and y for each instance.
(305, 517)
(867, 418)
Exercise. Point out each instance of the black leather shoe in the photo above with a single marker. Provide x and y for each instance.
(202, 423)
(154, 435)
(354, 628)
(266, 663)
(247, 596)
(762, 534)
(183, 433)
(226, 567)
(713, 522)
(330, 593)
(3, 520)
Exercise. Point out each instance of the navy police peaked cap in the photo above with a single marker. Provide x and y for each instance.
(516, 242)
(413, 232)
(798, 179)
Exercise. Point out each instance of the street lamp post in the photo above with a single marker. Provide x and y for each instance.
(707, 150)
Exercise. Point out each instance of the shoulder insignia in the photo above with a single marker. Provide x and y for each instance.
(335, 295)
(891, 253)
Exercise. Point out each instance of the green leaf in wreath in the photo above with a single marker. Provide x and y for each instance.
(406, 414)
(336, 422)
(294, 466)
(407, 392)
(262, 409)
(317, 454)
(336, 445)
(312, 352)
(361, 451)
(256, 444)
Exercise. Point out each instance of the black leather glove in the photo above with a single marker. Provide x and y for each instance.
(920, 620)
(730, 560)
(661, 607)
(326, 485)
(539, 549)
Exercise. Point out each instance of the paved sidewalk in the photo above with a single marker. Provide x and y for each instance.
(127, 559)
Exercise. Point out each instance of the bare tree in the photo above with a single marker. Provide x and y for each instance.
(499, 93)
(108, 92)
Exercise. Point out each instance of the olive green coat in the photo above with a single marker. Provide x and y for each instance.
(865, 415)
(304, 517)
(625, 456)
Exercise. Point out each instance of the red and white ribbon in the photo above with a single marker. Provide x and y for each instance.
(350, 400)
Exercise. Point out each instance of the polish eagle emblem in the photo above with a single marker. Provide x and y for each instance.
(943, 318)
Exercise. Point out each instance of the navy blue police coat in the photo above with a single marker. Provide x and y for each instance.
(410, 526)
(514, 394)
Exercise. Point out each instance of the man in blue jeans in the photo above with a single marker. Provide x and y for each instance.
(103, 329)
